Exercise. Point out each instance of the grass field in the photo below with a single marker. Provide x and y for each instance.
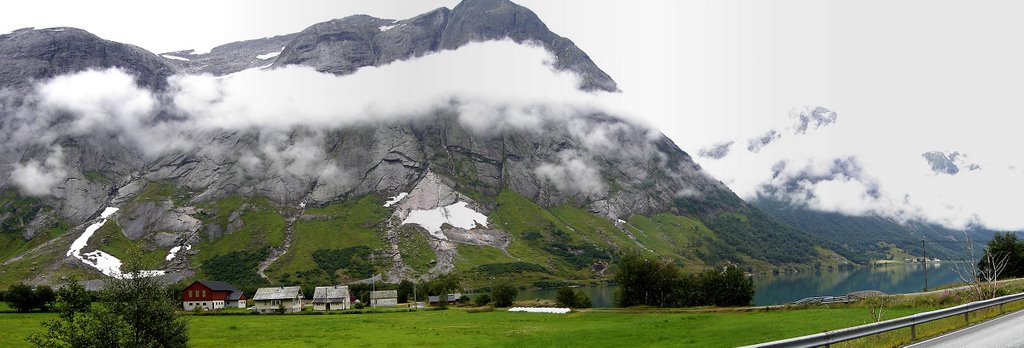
(458, 328)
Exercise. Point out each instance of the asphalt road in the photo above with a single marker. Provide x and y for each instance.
(1005, 331)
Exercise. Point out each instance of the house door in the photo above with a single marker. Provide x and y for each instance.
(328, 306)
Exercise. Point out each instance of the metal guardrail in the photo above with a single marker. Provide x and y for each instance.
(842, 335)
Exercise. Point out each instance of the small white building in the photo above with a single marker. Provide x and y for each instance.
(331, 298)
(269, 300)
(384, 298)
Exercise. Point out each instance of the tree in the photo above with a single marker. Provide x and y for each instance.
(504, 294)
(981, 278)
(72, 298)
(44, 298)
(134, 312)
(21, 297)
(565, 297)
(444, 284)
(645, 281)
(405, 288)
(483, 299)
(1005, 245)
(735, 288)
(583, 300)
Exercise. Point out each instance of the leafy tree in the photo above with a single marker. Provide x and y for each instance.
(582, 300)
(645, 281)
(504, 294)
(134, 312)
(483, 300)
(565, 297)
(445, 284)
(21, 297)
(1005, 245)
(405, 289)
(44, 297)
(728, 288)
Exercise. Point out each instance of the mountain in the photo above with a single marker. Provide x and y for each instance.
(878, 238)
(404, 198)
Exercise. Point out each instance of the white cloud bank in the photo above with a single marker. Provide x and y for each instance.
(839, 168)
(495, 86)
(491, 86)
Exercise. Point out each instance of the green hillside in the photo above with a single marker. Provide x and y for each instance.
(347, 240)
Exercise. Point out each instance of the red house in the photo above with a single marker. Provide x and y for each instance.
(212, 294)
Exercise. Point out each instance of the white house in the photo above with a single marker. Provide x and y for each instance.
(331, 298)
(384, 298)
(269, 300)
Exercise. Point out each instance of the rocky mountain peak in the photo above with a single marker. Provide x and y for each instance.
(33, 54)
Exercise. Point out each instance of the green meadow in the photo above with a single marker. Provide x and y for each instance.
(461, 328)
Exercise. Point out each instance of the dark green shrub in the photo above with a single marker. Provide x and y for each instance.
(504, 294)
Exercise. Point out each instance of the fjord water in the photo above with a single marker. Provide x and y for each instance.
(894, 278)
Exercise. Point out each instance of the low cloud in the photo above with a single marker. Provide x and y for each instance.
(836, 169)
(36, 178)
(573, 173)
(492, 86)
(716, 151)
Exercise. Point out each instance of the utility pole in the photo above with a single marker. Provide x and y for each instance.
(414, 303)
(374, 287)
(924, 253)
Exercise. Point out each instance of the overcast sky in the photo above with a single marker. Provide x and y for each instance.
(904, 77)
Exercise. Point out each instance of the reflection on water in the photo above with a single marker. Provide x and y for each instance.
(784, 288)
(602, 296)
(889, 278)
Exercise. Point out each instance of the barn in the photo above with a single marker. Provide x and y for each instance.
(211, 295)
(269, 300)
(331, 298)
(384, 298)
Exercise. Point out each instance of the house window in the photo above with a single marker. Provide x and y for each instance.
(190, 293)
(275, 302)
(204, 293)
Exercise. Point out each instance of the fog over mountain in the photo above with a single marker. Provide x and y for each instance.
(471, 139)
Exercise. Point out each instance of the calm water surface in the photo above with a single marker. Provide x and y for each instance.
(784, 288)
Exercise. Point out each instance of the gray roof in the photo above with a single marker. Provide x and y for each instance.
(384, 294)
(278, 293)
(233, 295)
(330, 294)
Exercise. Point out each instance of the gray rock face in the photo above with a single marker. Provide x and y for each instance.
(229, 58)
(29, 55)
(343, 45)
(150, 217)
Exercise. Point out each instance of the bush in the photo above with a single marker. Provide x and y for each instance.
(21, 297)
(483, 300)
(583, 300)
(504, 294)
(44, 297)
(464, 299)
(567, 297)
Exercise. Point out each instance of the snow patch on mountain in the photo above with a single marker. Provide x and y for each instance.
(457, 215)
(101, 261)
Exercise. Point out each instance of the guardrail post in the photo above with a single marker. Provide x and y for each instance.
(913, 333)
(967, 318)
